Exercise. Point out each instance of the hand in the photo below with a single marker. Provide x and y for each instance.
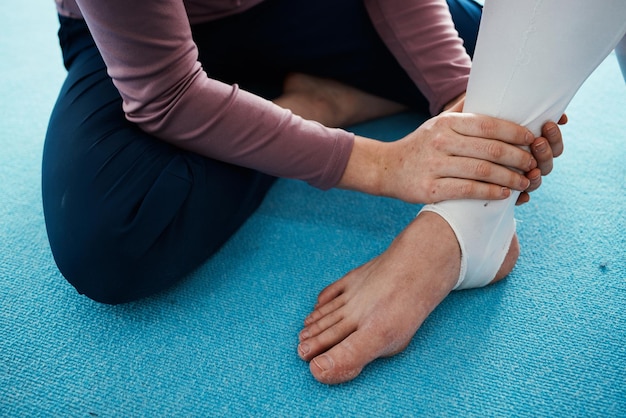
(544, 149)
(451, 156)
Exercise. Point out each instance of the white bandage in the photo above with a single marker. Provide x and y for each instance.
(531, 57)
(620, 51)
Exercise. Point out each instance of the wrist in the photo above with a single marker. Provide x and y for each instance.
(456, 104)
(364, 169)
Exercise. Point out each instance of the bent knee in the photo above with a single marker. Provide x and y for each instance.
(100, 274)
(105, 263)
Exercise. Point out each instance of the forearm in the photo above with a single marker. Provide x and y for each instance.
(153, 61)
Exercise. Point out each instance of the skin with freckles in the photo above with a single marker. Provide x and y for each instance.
(375, 310)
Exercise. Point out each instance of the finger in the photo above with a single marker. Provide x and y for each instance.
(485, 172)
(483, 126)
(522, 198)
(494, 151)
(552, 133)
(563, 120)
(534, 176)
(452, 189)
(543, 154)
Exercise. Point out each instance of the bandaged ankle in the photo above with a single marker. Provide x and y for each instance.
(531, 57)
(484, 230)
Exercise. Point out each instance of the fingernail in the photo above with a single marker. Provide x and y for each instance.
(552, 130)
(323, 362)
(504, 192)
(541, 147)
(303, 348)
(529, 137)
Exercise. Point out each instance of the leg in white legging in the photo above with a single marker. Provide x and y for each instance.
(531, 58)
(374, 310)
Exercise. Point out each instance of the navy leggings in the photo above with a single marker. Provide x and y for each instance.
(128, 215)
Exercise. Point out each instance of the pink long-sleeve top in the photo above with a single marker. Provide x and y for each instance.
(150, 55)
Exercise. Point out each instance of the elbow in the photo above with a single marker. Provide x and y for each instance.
(158, 111)
(152, 117)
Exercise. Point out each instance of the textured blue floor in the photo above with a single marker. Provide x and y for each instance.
(548, 341)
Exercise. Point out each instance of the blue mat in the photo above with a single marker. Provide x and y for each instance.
(548, 341)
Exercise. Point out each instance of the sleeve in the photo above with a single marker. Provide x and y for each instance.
(149, 52)
(422, 37)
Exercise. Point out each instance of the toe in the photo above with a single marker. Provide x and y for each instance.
(330, 292)
(323, 310)
(344, 361)
(321, 325)
(330, 337)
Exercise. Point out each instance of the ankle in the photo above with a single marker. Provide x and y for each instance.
(431, 236)
(509, 261)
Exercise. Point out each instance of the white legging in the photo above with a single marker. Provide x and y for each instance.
(531, 57)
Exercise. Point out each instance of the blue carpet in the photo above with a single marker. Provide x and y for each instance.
(548, 341)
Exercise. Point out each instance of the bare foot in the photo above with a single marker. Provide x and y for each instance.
(332, 103)
(375, 310)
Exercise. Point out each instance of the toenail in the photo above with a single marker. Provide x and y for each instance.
(304, 334)
(323, 362)
(303, 348)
